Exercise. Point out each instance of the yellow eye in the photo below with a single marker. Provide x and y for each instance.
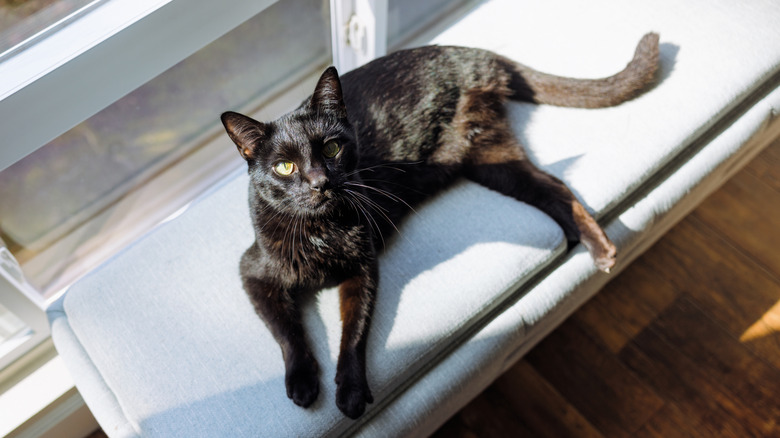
(284, 168)
(331, 149)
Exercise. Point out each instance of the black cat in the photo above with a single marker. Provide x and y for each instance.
(330, 180)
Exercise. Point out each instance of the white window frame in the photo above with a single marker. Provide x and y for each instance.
(25, 303)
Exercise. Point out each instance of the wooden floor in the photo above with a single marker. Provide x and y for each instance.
(684, 342)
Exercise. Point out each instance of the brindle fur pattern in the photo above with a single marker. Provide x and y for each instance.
(408, 125)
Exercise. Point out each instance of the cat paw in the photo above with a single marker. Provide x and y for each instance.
(606, 258)
(303, 385)
(352, 395)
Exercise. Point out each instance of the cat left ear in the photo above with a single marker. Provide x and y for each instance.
(327, 95)
(246, 132)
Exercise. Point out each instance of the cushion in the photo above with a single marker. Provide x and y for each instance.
(169, 330)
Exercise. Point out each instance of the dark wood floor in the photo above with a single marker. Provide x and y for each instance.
(684, 342)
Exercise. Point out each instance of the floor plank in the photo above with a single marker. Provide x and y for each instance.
(490, 416)
(743, 197)
(670, 422)
(543, 410)
(700, 368)
(626, 305)
(594, 381)
(735, 289)
(726, 362)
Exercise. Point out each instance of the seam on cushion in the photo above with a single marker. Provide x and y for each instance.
(720, 123)
(60, 313)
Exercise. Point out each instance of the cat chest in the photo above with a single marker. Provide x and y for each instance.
(314, 259)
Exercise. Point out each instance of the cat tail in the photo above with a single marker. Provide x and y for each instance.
(528, 84)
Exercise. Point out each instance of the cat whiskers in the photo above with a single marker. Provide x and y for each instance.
(358, 205)
(271, 219)
(404, 187)
(384, 166)
(382, 192)
(361, 198)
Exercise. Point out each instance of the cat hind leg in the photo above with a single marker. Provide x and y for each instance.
(504, 168)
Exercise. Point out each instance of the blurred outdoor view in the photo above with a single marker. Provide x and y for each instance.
(49, 200)
(62, 185)
(21, 19)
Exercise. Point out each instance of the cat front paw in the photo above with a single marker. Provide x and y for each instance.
(352, 395)
(303, 384)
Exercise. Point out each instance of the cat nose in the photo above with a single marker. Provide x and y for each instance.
(318, 181)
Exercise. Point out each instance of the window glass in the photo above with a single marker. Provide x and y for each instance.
(407, 18)
(64, 198)
(22, 19)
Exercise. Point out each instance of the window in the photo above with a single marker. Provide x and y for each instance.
(407, 20)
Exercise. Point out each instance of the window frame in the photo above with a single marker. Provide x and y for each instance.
(24, 302)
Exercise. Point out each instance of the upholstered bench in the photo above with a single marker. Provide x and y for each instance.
(162, 341)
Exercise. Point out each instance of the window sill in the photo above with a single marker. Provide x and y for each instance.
(42, 400)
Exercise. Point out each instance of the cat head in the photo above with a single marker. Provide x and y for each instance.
(299, 163)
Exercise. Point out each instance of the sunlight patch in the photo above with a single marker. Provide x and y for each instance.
(767, 325)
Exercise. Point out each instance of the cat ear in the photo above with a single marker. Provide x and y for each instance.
(246, 132)
(327, 95)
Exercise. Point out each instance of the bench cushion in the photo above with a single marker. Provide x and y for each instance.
(168, 329)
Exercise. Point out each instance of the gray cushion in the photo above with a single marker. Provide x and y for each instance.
(169, 330)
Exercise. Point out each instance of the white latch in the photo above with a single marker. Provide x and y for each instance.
(359, 32)
(356, 34)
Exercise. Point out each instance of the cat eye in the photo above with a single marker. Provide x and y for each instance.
(284, 168)
(331, 149)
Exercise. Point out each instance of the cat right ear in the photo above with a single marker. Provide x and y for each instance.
(327, 95)
(246, 132)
